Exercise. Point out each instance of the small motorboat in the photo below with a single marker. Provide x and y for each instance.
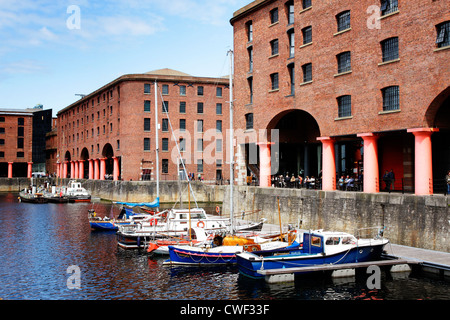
(319, 248)
(76, 193)
(32, 196)
(111, 224)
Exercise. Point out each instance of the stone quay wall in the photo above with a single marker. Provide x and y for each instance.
(416, 221)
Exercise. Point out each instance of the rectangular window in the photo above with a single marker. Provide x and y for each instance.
(291, 36)
(291, 70)
(199, 107)
(443, 34)
(388, 6)
(200, 90)
(146, 144)
(165, 144)
(2, 130)
(2, 154)
(307, 35)
(165, 89)
(200, 165)
(219, 125)
(274, 47)
(165, 166)
(219, 145)
(21, 121)
(218, 108)
(165, 125)
(249, 121)
(165, 106)
(307, 72)
(147, 89)
(219, 92)
(306, 4)
(182, 90)
(249, 26)
(147, 106)
(343, 21)
(182, 144)
(274, 81)
(389, 48)
(274, 16)
(147, 124)
(2, 142)
(250, 59)
(182, 124)
(391, 98)
(20, 131)
(200, 145)
(344, 106)
(182, 107)
(344, 62)
(199, 125)
(20, 154)
(290, 11)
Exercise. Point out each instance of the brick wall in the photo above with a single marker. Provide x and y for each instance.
(421, 72)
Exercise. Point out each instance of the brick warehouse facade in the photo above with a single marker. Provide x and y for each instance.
(353, 87)
(111, 132)
(22, 141)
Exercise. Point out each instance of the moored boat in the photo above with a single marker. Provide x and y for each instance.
(30, 196)
(168, 223)
(76, 193)
(225, 251)
(112, 224)
(319, 248)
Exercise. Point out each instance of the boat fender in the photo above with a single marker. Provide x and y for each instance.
(200, 224)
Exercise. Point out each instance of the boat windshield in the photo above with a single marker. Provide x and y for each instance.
(332, 241)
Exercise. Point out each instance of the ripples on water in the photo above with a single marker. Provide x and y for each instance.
(39, 243)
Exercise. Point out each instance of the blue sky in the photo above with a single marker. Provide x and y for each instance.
(49, 51)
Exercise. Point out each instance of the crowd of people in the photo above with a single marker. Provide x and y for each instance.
(293, 181)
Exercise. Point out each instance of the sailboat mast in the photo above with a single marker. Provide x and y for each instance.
(231, 148)
(157, 139)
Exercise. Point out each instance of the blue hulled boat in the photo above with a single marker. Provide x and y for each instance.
(226, 250)
(319, 248)
(108, 224)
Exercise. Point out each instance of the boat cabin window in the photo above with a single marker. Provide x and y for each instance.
(315, 241)
(194, 215)
(348, 240)
(332, 241)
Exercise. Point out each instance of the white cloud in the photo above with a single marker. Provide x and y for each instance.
(21, 67)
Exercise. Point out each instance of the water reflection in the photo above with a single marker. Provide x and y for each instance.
(40, 242)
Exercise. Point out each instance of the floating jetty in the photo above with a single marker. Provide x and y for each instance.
(397, 258)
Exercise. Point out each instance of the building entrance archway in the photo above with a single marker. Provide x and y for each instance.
(299, 152)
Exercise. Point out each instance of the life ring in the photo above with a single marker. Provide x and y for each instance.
(153, 222)
(200, 224)
(217, 209)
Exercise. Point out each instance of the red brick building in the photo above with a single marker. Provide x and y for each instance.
(22, 141)
(112, 132)
(353, 87)
(16, 127)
